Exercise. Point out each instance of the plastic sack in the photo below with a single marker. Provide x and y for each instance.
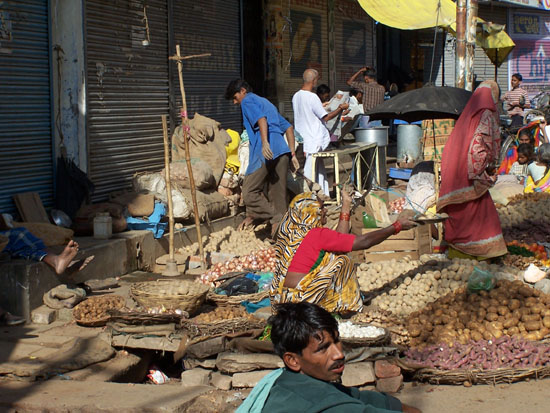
(481, 280)
(238, 286)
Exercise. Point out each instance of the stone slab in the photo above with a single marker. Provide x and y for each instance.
(195, 377)
(81, 397)
(236, 362)
(389, 385)
(385, 370)
(221, 381)
(43, 315)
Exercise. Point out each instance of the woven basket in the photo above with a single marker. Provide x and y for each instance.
(221, 327)
(221, 299)
(503, 375)
(143, 318)
(366, 341)
(117, 303)
(170, 294)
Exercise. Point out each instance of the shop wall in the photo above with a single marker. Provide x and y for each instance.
(530, 30)
(26, 158)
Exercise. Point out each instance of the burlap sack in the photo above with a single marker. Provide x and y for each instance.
(139, 205)
(211, 205)
(202, 174)
(50, 234)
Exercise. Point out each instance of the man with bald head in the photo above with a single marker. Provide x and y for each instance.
(309, 120)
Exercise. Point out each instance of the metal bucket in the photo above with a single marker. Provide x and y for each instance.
(408, 143)
(377, 135)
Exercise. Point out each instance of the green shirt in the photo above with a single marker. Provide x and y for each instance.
(295, 392)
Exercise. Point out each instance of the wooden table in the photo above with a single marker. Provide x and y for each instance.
(356, 148)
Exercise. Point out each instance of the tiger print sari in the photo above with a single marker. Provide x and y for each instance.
(332, 284)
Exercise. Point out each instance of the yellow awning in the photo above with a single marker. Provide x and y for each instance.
(411, 14)
(422, 14)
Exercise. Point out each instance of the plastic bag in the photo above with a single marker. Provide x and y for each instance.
(481, 280)
(238, 286)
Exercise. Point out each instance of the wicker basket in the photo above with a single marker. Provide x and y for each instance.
(143, 318)
(117, 302)
(221, 299)
(458, 376)
(221, 327)
(170, 294)
(366, 341)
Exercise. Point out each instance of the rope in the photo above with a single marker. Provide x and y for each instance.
(435, 38)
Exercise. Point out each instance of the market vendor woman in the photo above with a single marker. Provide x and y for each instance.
(308, 267)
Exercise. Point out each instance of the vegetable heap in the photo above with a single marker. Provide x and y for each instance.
(526, 218)
(483, 354)
(510, 309)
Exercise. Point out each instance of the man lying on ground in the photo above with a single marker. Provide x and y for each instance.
(23, 244)
(305, 336)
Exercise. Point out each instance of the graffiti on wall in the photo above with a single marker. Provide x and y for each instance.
(306, 43)
(5, 31)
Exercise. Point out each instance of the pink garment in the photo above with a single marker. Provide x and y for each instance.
(315, 241)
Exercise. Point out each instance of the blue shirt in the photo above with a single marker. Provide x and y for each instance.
(254, 108)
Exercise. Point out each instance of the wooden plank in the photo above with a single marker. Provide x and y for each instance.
(377, 257)
(424, 240)
(395, 245)
(30, 207)
(408, 234)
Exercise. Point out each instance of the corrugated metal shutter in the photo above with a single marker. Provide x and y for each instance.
(209, 26)
(305, 46)
(26, 162)
(128, 90)
(354, 41)
(484, 69)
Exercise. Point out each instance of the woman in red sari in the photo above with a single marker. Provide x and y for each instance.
(468, 170)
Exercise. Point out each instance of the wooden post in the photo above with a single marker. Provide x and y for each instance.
(168, 187)
(185, 126)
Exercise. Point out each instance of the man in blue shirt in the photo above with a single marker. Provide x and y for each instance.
(269, 155)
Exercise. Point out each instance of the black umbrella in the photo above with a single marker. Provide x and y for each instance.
(429, 102)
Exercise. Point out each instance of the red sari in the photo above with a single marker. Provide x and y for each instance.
(473, 226)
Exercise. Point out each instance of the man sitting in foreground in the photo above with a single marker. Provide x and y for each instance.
(305, 336)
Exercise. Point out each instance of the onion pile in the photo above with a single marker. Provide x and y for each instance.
(262, 260)
(347, 329)
(397, 205)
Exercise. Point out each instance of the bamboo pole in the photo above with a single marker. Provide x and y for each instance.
(185, 127)
(168, 187)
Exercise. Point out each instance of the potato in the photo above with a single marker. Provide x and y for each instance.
(496, 325)
(414, 331)
(530, 337)
(491, 316)
(476, 336)
(532, 325)
(514, 304)
(530, 317)
(492, 309)
(513, 331)
(487, 335)
(511, 322)
(503, 310)
(537, 309)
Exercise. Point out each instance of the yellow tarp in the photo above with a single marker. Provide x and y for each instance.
(410, 14)
(421, 14)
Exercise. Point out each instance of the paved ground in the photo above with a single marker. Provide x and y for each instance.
(33, 341)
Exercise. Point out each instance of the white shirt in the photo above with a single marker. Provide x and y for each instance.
(308, 112)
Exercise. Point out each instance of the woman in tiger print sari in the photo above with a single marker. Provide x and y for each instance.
(308, 266)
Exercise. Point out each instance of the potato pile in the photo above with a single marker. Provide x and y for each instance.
(228, 241)
(95, 308)
(405, 286)
(512, 308)
(520, 262)
(527, 207)
(223, 313)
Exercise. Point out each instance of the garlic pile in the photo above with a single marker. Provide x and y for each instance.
(228, 241)
(262, 260)
(349, 330)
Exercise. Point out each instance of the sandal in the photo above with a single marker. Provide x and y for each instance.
(8, 319)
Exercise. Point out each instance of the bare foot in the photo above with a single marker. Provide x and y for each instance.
(63, 260)
(246, 223)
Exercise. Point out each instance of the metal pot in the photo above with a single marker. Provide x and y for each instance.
(378, 135)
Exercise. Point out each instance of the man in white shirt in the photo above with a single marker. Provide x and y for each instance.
(309, 120)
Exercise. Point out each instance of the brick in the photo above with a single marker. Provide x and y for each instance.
(249, 379)
(195, 377)
(390, 385)
(385, 370)
(43, 315)
(358, 374)
(221, 381)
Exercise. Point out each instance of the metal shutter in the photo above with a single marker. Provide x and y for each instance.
(354, 41)
(208, 26)
(26, 161)
(127, 90)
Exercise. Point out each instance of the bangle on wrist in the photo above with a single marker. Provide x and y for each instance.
(397, 226)
(344, 216)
